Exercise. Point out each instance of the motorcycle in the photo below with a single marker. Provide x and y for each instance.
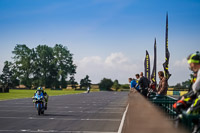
(39, 100)
(191, 121)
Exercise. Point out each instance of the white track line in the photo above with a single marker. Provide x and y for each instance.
(52, 118)
(52, 131)
(59, 112)
(123, 119)
(4, 106)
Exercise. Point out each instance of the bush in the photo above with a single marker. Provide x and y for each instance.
(125, 86)
(116, 85)
(106, 84)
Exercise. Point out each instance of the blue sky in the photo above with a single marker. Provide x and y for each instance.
(107, 37)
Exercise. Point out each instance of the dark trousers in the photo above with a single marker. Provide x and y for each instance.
(144, 92)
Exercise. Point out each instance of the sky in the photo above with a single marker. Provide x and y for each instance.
(108, 38)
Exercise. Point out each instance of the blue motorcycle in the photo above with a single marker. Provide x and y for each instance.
(39, 100)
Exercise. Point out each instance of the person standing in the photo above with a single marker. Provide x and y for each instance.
(137, 78)
(144, 84)
(163, 84)
(152, 85)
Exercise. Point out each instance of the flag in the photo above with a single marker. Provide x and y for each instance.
(147, 66)
(153, 75)
(167, 54)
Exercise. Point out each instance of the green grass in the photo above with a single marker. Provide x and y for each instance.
(15, 94)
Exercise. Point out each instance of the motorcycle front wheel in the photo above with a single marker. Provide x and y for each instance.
(39, 109)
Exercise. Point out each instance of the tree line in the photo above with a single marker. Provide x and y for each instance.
(51, 67)
(183, 85)
(40, 66)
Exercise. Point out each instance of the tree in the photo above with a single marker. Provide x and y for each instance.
(7, 74)
(42, 66)
(186, 84)
(23, 64)
(178, 85)
(8, 79)
(125, 86)
(44, 63)
(64, 62)
(106, 84)
(73, 82)
(86, 82)
(116, 85)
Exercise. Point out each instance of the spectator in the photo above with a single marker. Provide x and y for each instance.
(152, 85)
(141, 74)
(163, 85)
(144, 84)
(133, 85)
(129, 80)
(137, 78)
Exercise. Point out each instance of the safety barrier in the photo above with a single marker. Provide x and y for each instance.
(166, 104)
(177, 93)
(144, 117)
(189, 119)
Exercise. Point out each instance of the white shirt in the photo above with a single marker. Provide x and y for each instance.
(196, 85)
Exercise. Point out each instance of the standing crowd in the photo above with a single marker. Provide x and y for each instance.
(146, 86)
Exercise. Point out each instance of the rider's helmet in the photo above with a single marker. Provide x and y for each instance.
(194, 58)
(39, 88)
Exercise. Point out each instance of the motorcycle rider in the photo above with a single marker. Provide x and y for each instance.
(191, 100)
(192, 81)
(194, 62)
(44, 94)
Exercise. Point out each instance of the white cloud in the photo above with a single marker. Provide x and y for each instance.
(116, 59)
(118, 66)
(179, 70)
(114, 66)
(1, 67)
(180, 63)
(90, 60)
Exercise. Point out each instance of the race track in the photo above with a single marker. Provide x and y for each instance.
(96, 112)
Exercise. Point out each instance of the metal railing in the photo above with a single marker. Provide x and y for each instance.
(166, 104)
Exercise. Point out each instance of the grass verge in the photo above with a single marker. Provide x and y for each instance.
(16, 94)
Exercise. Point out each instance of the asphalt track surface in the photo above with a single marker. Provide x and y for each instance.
(96, 112)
